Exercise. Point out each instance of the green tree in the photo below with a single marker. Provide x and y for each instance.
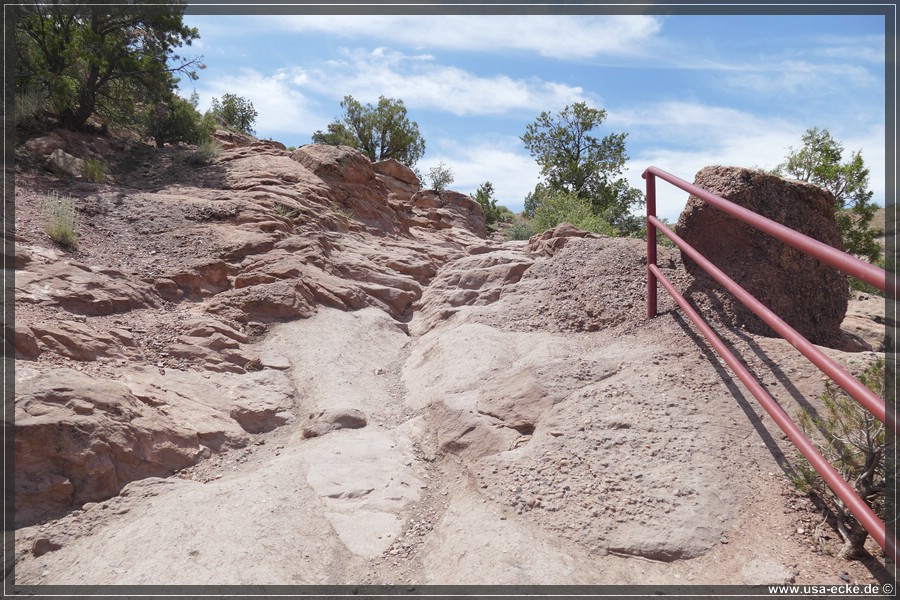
(235, 112)
(177, 120)
(575, 162)
(819, 162)
(100, 59)
(337, 135)
(380, 132)
(484, 195)
(441, 176)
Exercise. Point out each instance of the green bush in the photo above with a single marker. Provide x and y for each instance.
(235, 112)
(59, 219)
(95, 170)
(564, 207)
(505, 215)
(205, 153)
(30, 104)
(519, 230)
(855, 445)
(177, 120)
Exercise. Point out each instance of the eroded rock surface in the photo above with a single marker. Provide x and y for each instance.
(304, 358)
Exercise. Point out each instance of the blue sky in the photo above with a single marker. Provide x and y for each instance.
(689, 91)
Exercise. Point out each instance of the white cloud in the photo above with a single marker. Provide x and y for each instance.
(280, 106)
(802, 77)
(556, 36)
(682, 138)
(512, 172)
(422, 83)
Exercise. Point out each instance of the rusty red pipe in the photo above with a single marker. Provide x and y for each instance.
(831, 256)
(866, 397)
(859, 509)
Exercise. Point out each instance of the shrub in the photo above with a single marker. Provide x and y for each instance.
(30, 104)
(855, 445)
(504, 215)
(564, 207)
(95, 170)
(177, 120)
(440, 176)
(59, 221)
(519, 230)
(205, 153)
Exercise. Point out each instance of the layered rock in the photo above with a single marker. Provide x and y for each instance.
(808, 295)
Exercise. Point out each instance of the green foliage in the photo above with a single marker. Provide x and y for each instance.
(484, 195)
(288, 212)
(205, 152)
(234, 112)
(30, 104)
(177, 120)
(566, 207)
(520, 229)
(819, 162)
(857, 285)
(380, 132)
(59, 219)
(505, 215)
(337, 134)
(441, 176)
(95, 170)
(100, 59)
(855, 445)
(574, 162)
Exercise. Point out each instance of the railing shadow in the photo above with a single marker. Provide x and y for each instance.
(876, 568)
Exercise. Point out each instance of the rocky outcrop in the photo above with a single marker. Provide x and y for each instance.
(399, 179)
(49, 278)
(81, 439)
(445, 209)
(552, 240)
(808, 295)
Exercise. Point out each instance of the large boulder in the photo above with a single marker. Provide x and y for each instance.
(809, 295)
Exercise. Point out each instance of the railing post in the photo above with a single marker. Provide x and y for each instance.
(651, 244)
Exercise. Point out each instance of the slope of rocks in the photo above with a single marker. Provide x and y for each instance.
(303, 358)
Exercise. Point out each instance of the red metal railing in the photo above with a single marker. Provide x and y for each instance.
(831, 256)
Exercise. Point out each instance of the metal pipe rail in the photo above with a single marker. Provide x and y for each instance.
(827, 254)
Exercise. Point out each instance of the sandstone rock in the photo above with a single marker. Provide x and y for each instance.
(265, 302)
(450, 209)
(398, 178)
(333, 419)
(63, 163)
(808, 295)
(78, 341)
(26, 343)
(66, 454)
(472, 280)
(335, 163)
(551, 241)
(51, 279)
